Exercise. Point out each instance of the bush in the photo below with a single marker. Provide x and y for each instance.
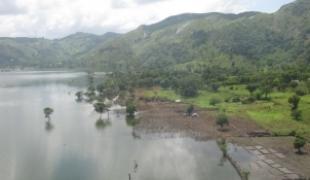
(294, 101)
(248, 100)
(190, 110)
(215, 87)
(130, 109)
(251, 88)
(222, 120)
(258, 96)
(214, 101)
(301, 90)
(294, 83)
(299, 143)
(236, 99)
(189, 91)
(296, 114)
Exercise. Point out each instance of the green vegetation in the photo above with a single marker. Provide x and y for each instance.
(249, 40)
(247, 64)
(101, 107)
(48, 112)
(294, 101)
(299, 143)
(131, 109)
(79, 96)
(222, 120)
(273, 115)
(190, 110)
(223, 146)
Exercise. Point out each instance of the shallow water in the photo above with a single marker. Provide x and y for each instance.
(75, 149)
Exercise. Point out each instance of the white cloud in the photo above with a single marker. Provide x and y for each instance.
(57, 18)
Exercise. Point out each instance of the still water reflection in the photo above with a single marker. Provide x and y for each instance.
(71, 147)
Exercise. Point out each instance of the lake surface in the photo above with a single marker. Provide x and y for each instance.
(75, 149)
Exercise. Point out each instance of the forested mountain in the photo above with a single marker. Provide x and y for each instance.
(250, 39)
(44, 53)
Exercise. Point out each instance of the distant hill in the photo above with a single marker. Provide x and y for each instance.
(44, 53)
(249, 39)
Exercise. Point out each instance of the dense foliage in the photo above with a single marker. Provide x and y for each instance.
(249, 41)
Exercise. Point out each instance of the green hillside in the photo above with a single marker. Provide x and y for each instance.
(249, 40)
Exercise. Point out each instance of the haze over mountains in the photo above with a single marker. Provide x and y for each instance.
(250, 39)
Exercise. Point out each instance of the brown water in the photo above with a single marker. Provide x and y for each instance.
(74, 149)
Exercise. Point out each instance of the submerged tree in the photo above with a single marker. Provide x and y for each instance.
(130, 109)
(79, 96)
(49, 126)
(100, 124)
(47, 112)
(101, 107)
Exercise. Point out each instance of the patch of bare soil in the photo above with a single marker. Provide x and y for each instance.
(164, 117)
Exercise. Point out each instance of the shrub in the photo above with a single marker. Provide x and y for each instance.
(251, 88)
(299, 143)
(248, 100)
(190, 110)
(294, 83)
(258, 96)
(189, 91)
(236, 99)
(294, 101)
(301, 90)
(215, 87)
(130, 109)
(222, 120)
(214, 101)
(296, 114)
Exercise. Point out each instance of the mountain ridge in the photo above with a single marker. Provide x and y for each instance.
(246, 39)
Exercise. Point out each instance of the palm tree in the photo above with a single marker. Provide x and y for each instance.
(47, 112)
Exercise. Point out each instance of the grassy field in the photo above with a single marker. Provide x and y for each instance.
(274, 115)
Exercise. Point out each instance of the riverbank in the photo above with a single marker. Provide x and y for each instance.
(274, 115)
(271, 157)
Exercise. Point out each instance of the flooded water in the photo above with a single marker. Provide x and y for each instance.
(73, 148)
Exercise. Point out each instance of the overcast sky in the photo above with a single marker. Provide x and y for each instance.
(58, 18)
